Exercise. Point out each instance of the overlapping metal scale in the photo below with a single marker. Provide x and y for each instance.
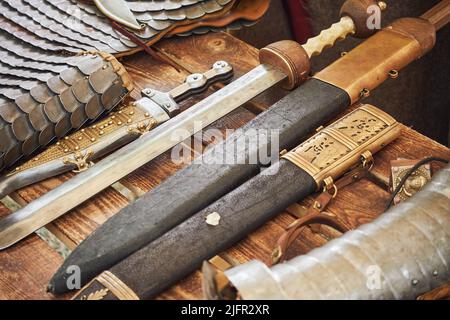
(42, 101)
(40, 41)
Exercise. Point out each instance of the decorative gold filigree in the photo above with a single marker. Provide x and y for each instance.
(70, 147)
(333, 150)
(80, 160)
(143, 127)
(97, 295)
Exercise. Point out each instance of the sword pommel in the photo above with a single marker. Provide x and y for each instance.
(361, 11)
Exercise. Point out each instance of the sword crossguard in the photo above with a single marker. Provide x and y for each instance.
(194, 84)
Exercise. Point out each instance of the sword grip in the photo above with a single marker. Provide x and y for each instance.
(327, 38)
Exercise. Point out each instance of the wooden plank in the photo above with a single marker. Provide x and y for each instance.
(26, 268)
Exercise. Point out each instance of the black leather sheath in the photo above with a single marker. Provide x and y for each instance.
(182, 250)
(197, 186)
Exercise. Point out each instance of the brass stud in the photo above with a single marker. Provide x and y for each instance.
(92, 139)
(129, 121)
(119, 123)
(94, 126)
(18, 168)
(120, 112)
(113, 117)
(83, 130)
(36, 159)
(147, 114)
(131, 113)
(66, 138)
(80, 138)
(102, 127)
(382, 5)
(393, 74)
(101, 132)
(77, 148)
(66, 150)
(344, 53)
(110, 122)
(58, 143)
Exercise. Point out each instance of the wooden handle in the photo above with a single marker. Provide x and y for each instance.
(439, 15)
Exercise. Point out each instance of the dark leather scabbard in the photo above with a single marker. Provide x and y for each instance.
(198, 185)
(181, 251)
(310, 166)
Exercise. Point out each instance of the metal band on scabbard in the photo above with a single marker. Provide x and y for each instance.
(112, 286)
(333, 150)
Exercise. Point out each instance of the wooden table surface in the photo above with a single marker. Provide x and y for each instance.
(26, 268)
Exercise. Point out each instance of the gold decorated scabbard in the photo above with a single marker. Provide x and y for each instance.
(354, 138)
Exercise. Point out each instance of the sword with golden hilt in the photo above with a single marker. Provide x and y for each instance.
(77, 151)
(286, 63)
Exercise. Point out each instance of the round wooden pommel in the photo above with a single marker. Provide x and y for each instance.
(361, 11)
(289, 57)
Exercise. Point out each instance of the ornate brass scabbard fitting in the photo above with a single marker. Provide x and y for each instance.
(345, 143)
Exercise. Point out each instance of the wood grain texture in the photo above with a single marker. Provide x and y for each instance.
(26, 268)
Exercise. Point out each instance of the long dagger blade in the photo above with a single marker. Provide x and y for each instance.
(58, 201)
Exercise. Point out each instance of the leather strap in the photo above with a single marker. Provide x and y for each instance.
(316, 213)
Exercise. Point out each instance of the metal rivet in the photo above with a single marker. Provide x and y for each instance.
(101, 132)
(80, 138)
(129, 120)
(66, 150)
(344, 53)
(415, 282)
(92, 139)
(147, 114)
(131, 113)
(119, 123)
(213, 219)
(382, 5)
(77, 148)
(393, 74)
(435, 273)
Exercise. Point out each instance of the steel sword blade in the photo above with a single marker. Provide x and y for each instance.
(80, 188)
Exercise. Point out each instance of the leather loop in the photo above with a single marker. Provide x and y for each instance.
(316, 214)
